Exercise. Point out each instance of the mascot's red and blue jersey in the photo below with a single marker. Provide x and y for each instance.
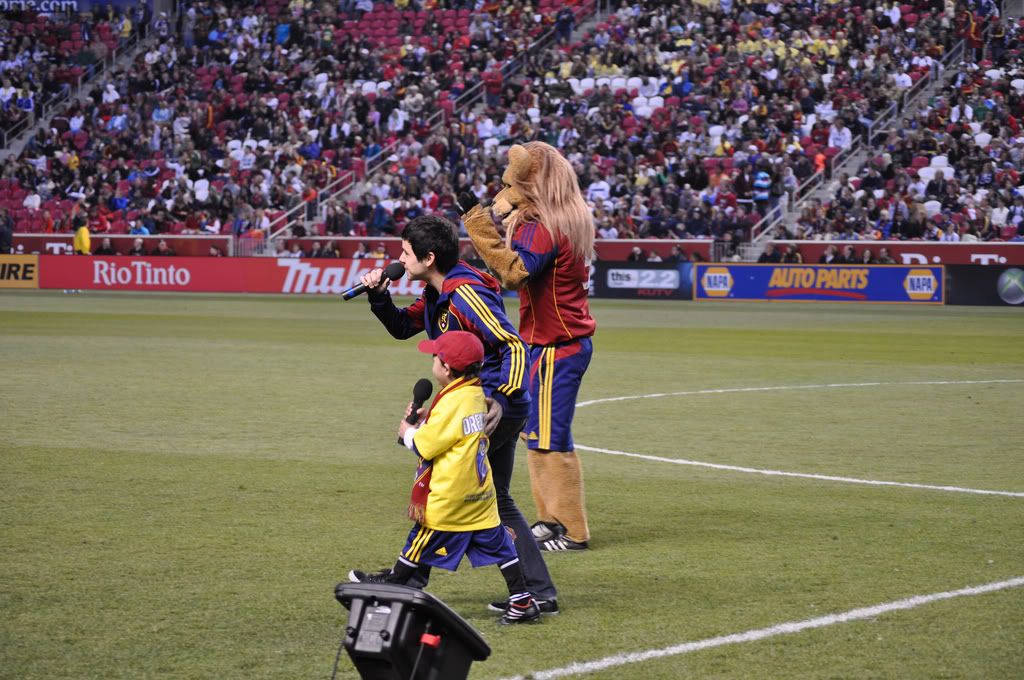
(470, 300)
(553, 304)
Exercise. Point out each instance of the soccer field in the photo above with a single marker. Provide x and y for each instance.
(186, 478)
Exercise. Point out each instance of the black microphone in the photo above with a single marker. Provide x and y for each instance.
(392, 271)
(421, 391)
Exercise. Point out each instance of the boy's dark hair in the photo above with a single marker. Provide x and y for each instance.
(471, 371)
(432, 234)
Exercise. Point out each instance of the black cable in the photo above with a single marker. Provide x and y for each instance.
(419, 654)
(337, 658)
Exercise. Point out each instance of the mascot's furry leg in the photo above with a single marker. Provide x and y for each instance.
(557, 481)
(535, 463)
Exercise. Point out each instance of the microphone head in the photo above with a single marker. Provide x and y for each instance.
(394, 271)
(422, 390)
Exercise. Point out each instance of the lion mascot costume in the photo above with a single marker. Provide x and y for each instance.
(545, 256)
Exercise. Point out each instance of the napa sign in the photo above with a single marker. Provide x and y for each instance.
(820, 283)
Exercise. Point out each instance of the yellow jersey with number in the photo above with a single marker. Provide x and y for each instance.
(462, 494)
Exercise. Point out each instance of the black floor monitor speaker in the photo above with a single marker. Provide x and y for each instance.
(399, 633)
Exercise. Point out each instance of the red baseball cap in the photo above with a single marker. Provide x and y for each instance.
(458, 349)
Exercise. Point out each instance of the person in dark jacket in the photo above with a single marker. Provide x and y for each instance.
(459, 297)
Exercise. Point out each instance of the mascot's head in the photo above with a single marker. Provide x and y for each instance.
(541, 186)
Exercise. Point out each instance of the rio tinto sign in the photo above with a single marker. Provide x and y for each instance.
(141, 273)
(210, 275)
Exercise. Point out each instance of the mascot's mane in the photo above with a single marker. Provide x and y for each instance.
(551, 195)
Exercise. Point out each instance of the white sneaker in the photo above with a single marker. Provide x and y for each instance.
(546, 531)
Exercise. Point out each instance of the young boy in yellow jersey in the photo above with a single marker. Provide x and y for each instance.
(453, 499)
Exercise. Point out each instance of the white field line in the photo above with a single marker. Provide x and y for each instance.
(580, 668)
(804, 475)
(780, 388)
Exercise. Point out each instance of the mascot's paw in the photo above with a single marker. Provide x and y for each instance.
(503, 209)
(466, 201)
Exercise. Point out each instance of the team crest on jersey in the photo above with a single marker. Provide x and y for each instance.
(448, 322)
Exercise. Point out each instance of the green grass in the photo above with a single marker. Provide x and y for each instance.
(185, 479)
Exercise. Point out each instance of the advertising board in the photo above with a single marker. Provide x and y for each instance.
(974, 285)
(19, 271)
(642, 280)
(842, 283)
(210, 275)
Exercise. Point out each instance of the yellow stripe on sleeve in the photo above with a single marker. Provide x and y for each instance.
(517, 366)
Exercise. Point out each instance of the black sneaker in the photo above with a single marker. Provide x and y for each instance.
(546, 607)
(561, 544)
(356, 576)
(524, 611)
(545, 531)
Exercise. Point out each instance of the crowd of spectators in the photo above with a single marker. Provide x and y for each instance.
(682, 119)
(951, 170)
(693, 119)
(832, 255)
(242, 111)
(44, 56)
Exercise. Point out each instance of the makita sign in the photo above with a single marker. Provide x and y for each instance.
(313, 276)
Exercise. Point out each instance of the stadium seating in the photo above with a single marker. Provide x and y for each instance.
(306, 125)
(954, 176)
(672, 115)
(47, 54)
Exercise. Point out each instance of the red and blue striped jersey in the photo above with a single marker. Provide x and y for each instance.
(470, 300)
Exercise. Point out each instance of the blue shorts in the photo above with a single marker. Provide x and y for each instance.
(445, 549)
(556, 372)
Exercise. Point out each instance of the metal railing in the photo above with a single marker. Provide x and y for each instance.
(760, 232)
(878, 127)
(767, 224)
(341, 184)
(94, 71)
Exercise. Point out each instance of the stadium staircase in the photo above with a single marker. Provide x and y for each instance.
(822, 185)
(121, 57)
(347, 186)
